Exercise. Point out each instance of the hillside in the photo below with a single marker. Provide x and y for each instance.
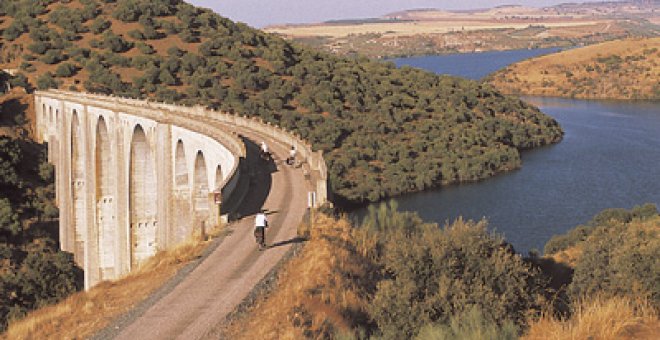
(436, 31)
(395, 277)
(385, 131)
(628, 69)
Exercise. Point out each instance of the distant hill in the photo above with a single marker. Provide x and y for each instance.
(435, 31)
(385, 131)
(628, 69)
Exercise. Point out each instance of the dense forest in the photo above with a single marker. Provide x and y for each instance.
(398, 277)
(385, 131)
(33, 272)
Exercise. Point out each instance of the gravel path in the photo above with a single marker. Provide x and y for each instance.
(204, 293)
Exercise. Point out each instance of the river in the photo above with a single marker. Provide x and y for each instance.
(609, 157)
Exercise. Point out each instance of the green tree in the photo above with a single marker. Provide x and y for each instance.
(622, 259)
(46, 81)
(100, 25)
(430, 274)
(66, 70)
(10, 225)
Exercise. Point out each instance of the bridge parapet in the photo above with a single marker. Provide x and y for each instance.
(314, 159)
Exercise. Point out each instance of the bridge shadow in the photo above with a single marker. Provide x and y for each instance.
(260, 173)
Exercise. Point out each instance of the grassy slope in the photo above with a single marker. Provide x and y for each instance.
(600, 318)
(604, 317)
(85, 313)
(627, 69)
(317, 288)
(314, 291)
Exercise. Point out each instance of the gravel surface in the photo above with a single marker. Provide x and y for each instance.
(199, 298)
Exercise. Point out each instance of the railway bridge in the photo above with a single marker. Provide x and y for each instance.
(134, 177)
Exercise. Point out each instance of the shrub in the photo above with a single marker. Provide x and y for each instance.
(28, 67)
(430, 274)
(175, 52)
(53, 57)
(70, 19)
(167, 95)
(117, 60)
(20, 80)
(188, 36)
(38, 47)
(145, 48)
(116, 43)
(604, 218)
(46, 81)
(66, 70)
(622, 260)
(100, 25)
(616, 215)
(136, 34)
(15, 29)
(471, 324)
(132, 10)
(10, 224)
(562, 242)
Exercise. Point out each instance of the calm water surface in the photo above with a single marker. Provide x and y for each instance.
(609, 157)
(471, 65)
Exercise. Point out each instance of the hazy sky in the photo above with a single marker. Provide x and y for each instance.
(260, 13)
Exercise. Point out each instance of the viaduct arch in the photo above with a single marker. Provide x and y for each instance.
(135, 177)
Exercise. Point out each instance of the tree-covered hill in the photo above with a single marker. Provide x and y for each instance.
(385, 130)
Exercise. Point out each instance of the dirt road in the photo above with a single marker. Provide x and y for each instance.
(214, 288)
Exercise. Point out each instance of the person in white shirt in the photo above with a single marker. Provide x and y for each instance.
(264, 150)
(260, 225)
(292, 156)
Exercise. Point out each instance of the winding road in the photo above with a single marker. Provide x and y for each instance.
(205, 297)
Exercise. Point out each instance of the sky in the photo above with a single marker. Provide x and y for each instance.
(261, 13)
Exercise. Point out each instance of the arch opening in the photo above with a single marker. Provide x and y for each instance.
(218, 178)
(77, 188)
(143, 199)
(105, 203)
(200, 193)
(182, 198)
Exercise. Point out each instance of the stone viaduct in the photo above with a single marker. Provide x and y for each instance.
(134, 177)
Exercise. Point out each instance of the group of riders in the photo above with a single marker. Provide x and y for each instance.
(260, 220)
(266, 155)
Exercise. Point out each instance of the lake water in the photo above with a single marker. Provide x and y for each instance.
(609, 157)
(471, 65)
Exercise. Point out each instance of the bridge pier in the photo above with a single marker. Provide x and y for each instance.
(122, 193)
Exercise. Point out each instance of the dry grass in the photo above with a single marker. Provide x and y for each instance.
(585, 73)
(568, 256)
(84, 313)
(317, 294)
(601, 319)
(398, 29)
